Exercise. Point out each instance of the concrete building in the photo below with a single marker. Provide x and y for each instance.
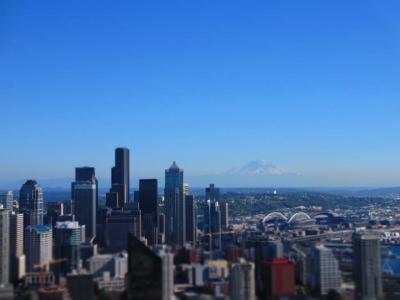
(118, 195)
(31, 203)
(7, 199)
(38, 246)
(84, 174)
(116, 265)
(148, 205)
(85, 198)
(242, 281)
(175, 225)
(212, 218)
(191, 219)
(224, 214)
(66, 245)
(4, 246)
(367, 269)
(278, 278)
(17, 257)
(167, 263)
(117, 225)
(323, 272)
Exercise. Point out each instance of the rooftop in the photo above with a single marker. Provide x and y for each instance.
(40, 228)
(67, 225)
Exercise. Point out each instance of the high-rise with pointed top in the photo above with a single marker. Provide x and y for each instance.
(175, 221)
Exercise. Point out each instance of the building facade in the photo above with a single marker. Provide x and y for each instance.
(323, 272)
(117, 225)
(118, 195)
(7, 199)
(191, 219)
(148, 205)
(367, 269)
(17, 257)
(242, 281)
(85, 197)
(86, 174)
(66, 245)
(279, 278)
(38, 246)
(4, 246)
(31, 203)
(175, 221)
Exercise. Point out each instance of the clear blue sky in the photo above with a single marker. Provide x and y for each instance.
(312, 86)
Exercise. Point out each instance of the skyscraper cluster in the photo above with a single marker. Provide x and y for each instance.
(143, 245)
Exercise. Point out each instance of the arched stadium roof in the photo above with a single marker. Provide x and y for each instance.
(298, 217)
(274, 216)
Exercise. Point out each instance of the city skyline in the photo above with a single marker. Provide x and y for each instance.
(176, 150)
(309, 87)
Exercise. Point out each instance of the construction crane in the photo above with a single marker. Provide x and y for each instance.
(46, 267)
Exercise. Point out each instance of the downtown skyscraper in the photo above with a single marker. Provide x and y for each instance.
(367, 267)
(31, 203)
(191, 219)
(118, 195)
(67, 239)
(323, 273)
(7, 198)
(85, 206)
(86, 174)
(4, 246)
(17, 257)
(242, 281)
(84, 192)
(175, 221)
(148, 205)
(38, 246)
(212, 217)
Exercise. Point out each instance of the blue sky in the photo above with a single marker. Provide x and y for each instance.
(310, 86)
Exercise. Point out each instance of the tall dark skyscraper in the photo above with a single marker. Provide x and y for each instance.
(148, 205)
(85, 197)
(117, 225)
(119, 192)
(67, 239)
(212, 193)
(31, 203)
(367, 268)
(84, 192)
(191, 219)
(224, 214)
(144, 279)
(212, 217)
(175, 222)
(86, 174)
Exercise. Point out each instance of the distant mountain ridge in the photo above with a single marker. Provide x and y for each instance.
(258, 167)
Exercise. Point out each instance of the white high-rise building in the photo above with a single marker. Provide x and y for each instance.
(38, 246)
(167, 261)
(4, 246)
(323, 272)
(242, 281)
(7, 199)
(17, 257)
